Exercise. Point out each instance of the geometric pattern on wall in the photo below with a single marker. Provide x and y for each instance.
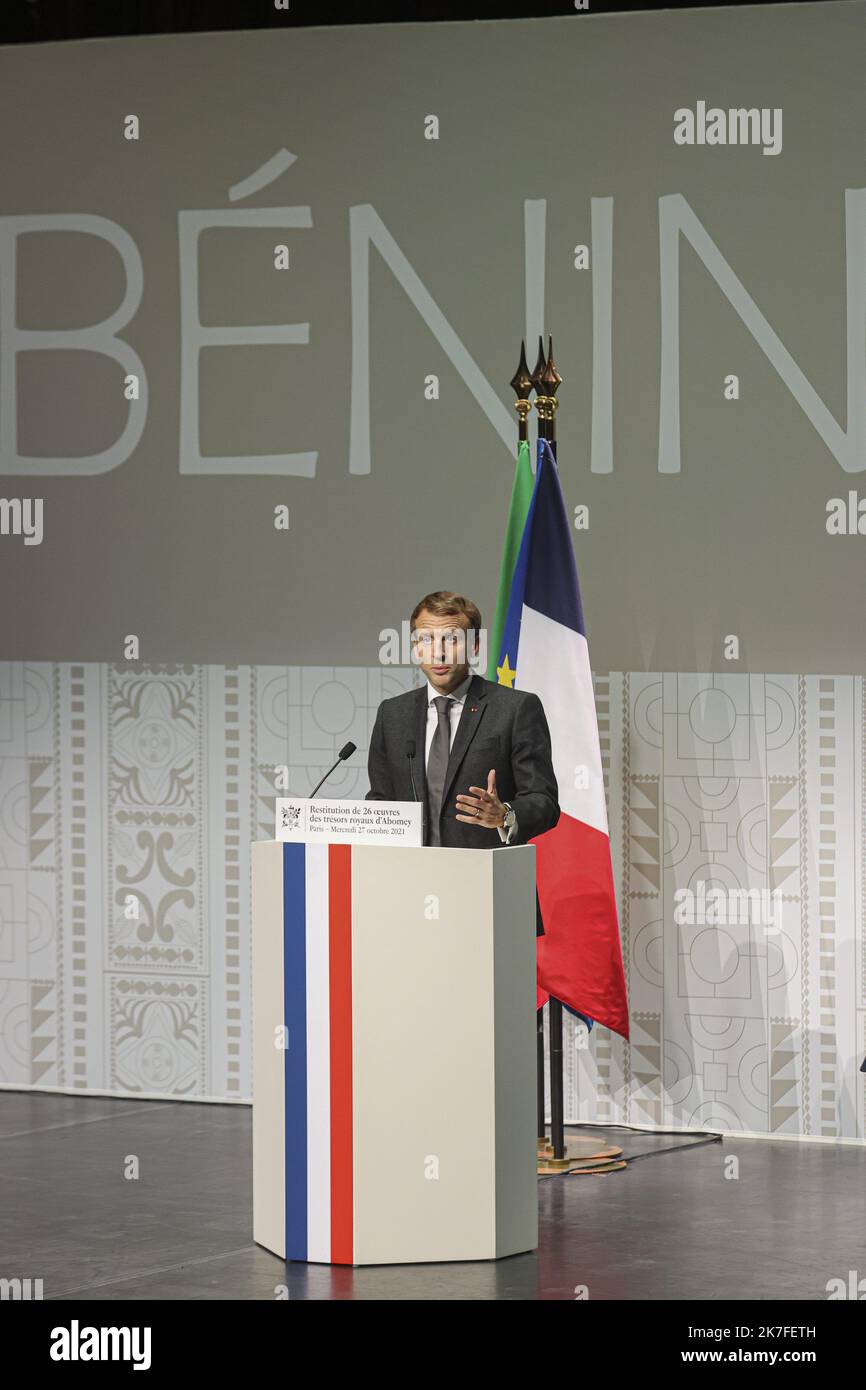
(129, 796)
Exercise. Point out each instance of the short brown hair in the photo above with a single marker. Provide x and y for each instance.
(443, 604)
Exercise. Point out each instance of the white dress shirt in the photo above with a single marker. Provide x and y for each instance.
(455, 711)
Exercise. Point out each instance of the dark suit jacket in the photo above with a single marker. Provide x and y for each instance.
(499, 728)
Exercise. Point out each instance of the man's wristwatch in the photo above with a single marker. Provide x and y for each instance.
(510, 816)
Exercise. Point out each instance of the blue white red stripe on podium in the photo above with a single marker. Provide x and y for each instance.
(317, 994)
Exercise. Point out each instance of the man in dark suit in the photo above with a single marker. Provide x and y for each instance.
(475, 754)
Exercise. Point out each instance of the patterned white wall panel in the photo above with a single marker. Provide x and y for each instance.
(144, 785)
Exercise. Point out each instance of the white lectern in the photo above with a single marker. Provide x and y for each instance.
(394, 1052)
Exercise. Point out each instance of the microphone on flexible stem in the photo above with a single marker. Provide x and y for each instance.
(345, 752)
(410, 754)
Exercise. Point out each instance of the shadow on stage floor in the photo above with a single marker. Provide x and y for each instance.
(670, 1226)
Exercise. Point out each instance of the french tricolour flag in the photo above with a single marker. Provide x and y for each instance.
(544, 650)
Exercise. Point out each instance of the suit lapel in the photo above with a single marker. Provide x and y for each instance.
(419, 733)
(473, 712)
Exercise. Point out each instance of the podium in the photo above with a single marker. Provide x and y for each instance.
(394, 1052)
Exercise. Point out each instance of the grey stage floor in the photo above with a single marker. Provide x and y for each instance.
(670, 1226)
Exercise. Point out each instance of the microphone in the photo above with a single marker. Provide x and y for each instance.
(410, 754)
(345, 752)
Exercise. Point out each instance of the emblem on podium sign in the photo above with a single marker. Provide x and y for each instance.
(291, 817)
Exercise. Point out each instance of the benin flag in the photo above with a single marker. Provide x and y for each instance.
(521, 494)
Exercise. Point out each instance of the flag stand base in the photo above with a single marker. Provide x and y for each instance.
(546, 1161)
(582, 1155)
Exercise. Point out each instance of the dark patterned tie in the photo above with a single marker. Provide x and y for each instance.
(437, 763)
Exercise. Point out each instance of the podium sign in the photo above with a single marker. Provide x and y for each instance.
(310, 821)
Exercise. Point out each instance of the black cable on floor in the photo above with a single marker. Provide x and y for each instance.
(705, 1136)
(675, 1148)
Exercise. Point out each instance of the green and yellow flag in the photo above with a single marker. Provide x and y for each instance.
(521, 494)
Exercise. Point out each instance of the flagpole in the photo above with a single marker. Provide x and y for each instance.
(547, 382)
(551, 1155)
(540, 397)
(545, 1151)
(552, 382)
(521, 385)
